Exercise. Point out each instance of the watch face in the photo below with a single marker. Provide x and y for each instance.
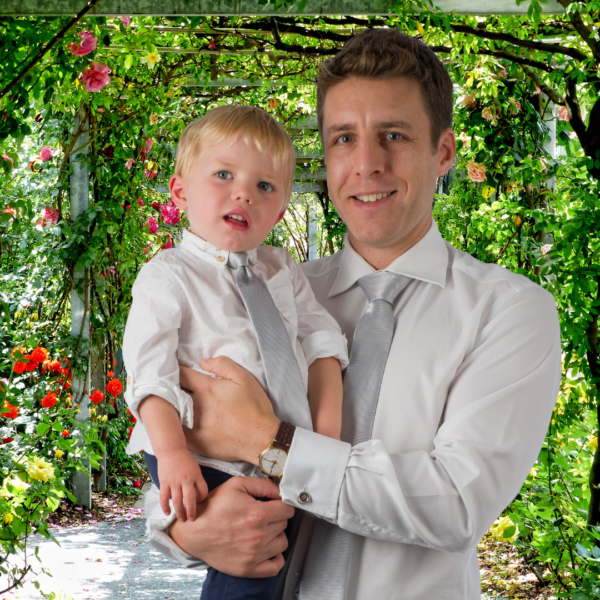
(272, 461)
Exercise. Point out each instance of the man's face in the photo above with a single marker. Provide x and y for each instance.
(381, 166)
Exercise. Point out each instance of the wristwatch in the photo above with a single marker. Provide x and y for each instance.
(272, 460)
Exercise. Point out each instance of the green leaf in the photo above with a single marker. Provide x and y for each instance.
(583, 551)
(42, 428)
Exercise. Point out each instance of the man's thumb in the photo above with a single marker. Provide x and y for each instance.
(222, 367)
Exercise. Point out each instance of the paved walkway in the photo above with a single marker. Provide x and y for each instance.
(109, 560)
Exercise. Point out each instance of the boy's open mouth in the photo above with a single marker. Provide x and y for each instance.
(237, 221)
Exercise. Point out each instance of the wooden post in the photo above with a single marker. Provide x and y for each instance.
(80, 302)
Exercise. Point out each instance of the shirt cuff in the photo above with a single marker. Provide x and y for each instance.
(164, 388)
(158, 537)
(314, 470)
(323, 344)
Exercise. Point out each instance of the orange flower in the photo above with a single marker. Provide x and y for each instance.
(66, 433)
(476, 171)
(18, 349)
(31, 365)
(97, 397)
(563, 113)
(111, 374)
(10, 411)
(54, 366)
(19, 367)
(49, 400)
(132, 419)
(114, 387)
(40, 355)
(130, 432)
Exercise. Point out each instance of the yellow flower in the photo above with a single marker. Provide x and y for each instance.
(272, 104)
(104, 418)
(16, 483)
(151, 59)
(92, 412)
(39, 469)
(500, 526)
(8, 519)
(533, 472)
(593, 443)
(59, 453)
(153, 118)
(420, 28)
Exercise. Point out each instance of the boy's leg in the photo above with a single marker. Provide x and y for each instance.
(217, 585)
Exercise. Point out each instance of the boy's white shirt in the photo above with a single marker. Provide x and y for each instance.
(186, 307)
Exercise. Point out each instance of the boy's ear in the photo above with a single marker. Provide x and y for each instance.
(280, 216)
(177, 189)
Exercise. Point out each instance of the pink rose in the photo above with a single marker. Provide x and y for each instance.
(6, 157)
(129, 163)
(148, 146)
(476, 171)
(152, 225)
(87, 44)
(96, 77)
(9, 210)
(468, 100)
(150, 174)
(563, 113)
(140, 202)
(171, 215)
(126, 21)
(50, 215)
(169, 243)
(487, 114)
(46, 153)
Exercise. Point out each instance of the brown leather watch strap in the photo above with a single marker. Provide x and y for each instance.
(284, 437)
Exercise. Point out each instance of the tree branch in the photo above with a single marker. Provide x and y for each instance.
(583, 30)
(550, 92)
(40, 55)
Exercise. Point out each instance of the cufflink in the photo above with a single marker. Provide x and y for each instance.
(304, 497)
(221, 258)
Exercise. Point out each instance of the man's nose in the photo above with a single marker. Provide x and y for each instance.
(369, 158)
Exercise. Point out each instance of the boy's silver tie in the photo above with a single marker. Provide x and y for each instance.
(284, 380)
(327, 565)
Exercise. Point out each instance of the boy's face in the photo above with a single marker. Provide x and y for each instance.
(233, 195)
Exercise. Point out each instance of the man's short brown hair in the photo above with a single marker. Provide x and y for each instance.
(385, 54)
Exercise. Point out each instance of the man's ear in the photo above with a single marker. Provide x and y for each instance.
(177, 189)
(446, 151)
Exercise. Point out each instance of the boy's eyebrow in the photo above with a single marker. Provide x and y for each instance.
(400, 124)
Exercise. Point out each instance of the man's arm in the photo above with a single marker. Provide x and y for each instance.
(496, 416)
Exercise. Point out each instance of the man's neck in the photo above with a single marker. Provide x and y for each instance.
(382, 257)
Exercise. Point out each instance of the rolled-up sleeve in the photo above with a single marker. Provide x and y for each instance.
(318, 331)
(150, 346)
(496, 416)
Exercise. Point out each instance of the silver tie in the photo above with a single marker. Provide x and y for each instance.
(327, 565)
(284, 380)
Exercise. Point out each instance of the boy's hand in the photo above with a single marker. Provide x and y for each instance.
(180, 479)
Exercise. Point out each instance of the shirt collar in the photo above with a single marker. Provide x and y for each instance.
(208, 252)
(426, 261)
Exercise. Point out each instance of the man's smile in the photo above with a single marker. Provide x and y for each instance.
(368, 198)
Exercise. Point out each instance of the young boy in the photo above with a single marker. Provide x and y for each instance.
(233, 178)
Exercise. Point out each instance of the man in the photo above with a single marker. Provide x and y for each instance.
(470, 381)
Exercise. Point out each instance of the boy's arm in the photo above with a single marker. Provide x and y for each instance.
(179, 474)
(325, 392)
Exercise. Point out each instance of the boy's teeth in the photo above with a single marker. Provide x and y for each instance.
(238, 218)
(373, 197)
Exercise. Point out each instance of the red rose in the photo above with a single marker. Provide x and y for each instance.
(7, 440)
(111, 374)
(10, 411)
(137, 483)
(39, 354)
(19, 367)
(66, 433)
(49, 400)
(114, 387)
(97, 397)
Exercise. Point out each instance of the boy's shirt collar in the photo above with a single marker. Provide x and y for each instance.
(209, 252)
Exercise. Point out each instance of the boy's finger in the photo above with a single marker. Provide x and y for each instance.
(201, 490)
(177, 498)
(189, 497)
(165, 494)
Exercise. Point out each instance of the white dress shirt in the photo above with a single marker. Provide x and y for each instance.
(469, 387)
(186, 307)
(468, 391)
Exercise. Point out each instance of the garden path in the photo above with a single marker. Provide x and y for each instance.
(109, 560)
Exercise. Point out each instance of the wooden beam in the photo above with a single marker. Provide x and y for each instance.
(251, 7)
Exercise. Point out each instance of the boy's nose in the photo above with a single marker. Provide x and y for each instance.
(243, 194)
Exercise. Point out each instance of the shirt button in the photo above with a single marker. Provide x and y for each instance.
(367, 529)
(297, 576)
(304, 497)
(221, 258)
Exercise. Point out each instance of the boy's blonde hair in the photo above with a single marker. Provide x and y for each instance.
(250, 123)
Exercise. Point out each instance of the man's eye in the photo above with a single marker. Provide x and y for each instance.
(265, 187)
(345, 139)
(224, 175)
(393, 136)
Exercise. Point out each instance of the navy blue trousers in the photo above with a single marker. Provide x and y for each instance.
(217, 585)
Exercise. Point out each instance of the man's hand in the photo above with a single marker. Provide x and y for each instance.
(233, 417)
(180, 479)
(235, 533)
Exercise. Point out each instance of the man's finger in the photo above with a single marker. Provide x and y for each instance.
(192, 380)
(259, 487)
(223, 368)
(268, 568)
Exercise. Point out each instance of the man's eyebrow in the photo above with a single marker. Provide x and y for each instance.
(400, 124)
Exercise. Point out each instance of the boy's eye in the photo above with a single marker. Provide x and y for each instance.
(265, 187)
(224, 175)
